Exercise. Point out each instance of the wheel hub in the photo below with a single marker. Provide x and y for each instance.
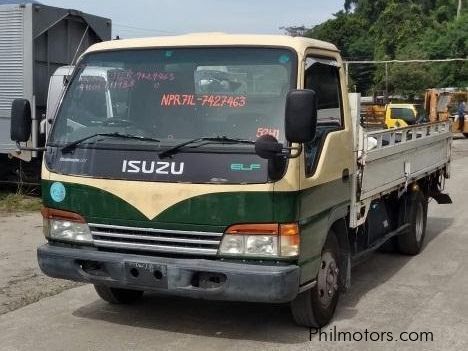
(419, 228)
(327, 280)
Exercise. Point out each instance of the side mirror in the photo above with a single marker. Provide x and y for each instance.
(301, 116)
(21, 122)
(268, 147)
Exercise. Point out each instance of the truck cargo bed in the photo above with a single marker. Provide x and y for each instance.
(402, 156)
(388, 160)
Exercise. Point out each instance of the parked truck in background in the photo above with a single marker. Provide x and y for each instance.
(442, 104)
(391, 115)
(35, 40)
(227, 167)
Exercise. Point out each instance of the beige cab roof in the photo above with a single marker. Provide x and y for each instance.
(215, 39)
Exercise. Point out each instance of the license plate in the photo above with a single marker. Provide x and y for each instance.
(147, 274)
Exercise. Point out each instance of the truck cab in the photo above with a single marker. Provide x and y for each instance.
(226, 167)
(400, 115)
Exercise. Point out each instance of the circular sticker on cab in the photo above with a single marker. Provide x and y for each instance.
(57, 192)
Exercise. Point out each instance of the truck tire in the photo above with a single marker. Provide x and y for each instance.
(118, 296)
(390, 246)
(413, 210)
(315, 307)
(466, 135)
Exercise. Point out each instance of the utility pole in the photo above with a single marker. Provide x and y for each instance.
(347, 74)
(386, 83)
(459, 8)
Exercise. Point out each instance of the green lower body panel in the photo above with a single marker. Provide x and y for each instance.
(313, 208)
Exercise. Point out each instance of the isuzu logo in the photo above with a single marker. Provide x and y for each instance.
(150, 167)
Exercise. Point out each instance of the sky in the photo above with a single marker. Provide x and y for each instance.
(140, 18)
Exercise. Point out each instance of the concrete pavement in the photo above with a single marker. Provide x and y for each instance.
(390, 293)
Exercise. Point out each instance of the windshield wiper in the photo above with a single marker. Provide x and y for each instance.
(218, 140)
(71, 146)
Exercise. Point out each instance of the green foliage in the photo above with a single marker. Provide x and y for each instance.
(400, 29)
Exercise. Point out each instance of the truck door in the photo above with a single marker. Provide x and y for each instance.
(328, 160)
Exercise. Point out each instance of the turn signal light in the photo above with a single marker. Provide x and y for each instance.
(253, 229)
(50, 213)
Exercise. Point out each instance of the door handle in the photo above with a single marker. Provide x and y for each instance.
(345, 175)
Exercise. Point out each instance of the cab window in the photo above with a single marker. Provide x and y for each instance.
(322, 76)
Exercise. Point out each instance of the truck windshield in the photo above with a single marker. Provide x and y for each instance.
(174, 95)
(404, 113)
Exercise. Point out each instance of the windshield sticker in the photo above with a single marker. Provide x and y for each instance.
(268, 131)
(240, 167)
(57, 192)
(284, 59)
(204, 100)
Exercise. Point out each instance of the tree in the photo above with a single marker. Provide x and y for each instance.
(400, 29)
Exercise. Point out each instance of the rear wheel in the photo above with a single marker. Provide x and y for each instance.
(315, 307)
(413, 211)
(118, 296)
(390, 246)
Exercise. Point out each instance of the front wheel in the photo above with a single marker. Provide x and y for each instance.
(315, 307)
(118, 296)
(466, 135)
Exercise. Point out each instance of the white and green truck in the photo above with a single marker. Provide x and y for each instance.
(226, 167)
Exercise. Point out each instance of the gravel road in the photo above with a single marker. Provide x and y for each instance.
(21, 281)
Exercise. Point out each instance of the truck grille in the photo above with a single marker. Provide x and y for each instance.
(155, 240)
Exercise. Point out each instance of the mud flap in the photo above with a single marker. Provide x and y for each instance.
(441, 198)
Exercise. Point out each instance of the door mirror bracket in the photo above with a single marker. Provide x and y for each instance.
(269, 148)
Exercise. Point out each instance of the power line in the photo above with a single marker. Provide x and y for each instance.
(407, 61)
(386, 62)
(152, 30)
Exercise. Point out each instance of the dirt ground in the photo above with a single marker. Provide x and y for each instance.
(21, 281)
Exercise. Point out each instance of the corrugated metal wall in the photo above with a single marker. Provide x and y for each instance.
(11, 58)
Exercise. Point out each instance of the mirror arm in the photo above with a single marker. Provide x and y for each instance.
(21, 148)
(289, 151)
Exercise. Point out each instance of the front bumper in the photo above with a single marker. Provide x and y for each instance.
(197, 278)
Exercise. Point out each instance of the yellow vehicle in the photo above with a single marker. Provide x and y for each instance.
(400, 115)
(389, 116)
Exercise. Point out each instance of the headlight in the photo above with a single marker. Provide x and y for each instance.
(261, 240)
(232, 245)
(66, 226)
(261, 245)
(68, 231)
